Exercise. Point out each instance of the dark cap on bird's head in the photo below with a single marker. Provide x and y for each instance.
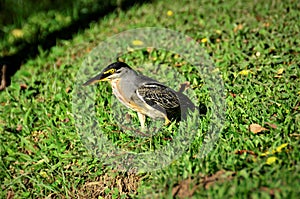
(111, 71)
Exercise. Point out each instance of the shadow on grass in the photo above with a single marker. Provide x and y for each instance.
(9, 65)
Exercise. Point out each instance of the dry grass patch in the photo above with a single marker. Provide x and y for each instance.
(110, 185)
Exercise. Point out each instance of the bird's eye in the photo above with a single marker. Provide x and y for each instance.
(111, 71)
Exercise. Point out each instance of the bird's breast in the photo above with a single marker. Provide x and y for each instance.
(119, 93)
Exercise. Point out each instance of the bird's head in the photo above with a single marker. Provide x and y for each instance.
(111, 72)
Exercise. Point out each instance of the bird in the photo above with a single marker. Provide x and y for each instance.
(146, 96)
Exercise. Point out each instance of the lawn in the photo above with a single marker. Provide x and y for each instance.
(249, 82)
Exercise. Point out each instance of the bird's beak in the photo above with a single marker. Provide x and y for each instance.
(95, 79)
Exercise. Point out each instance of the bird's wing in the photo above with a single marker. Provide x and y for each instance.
(155, 94)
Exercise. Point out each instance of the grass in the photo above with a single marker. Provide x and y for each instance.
(30, 24)
(255, 48)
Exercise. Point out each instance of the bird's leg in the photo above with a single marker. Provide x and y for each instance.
(167, 121)
(142, 119)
